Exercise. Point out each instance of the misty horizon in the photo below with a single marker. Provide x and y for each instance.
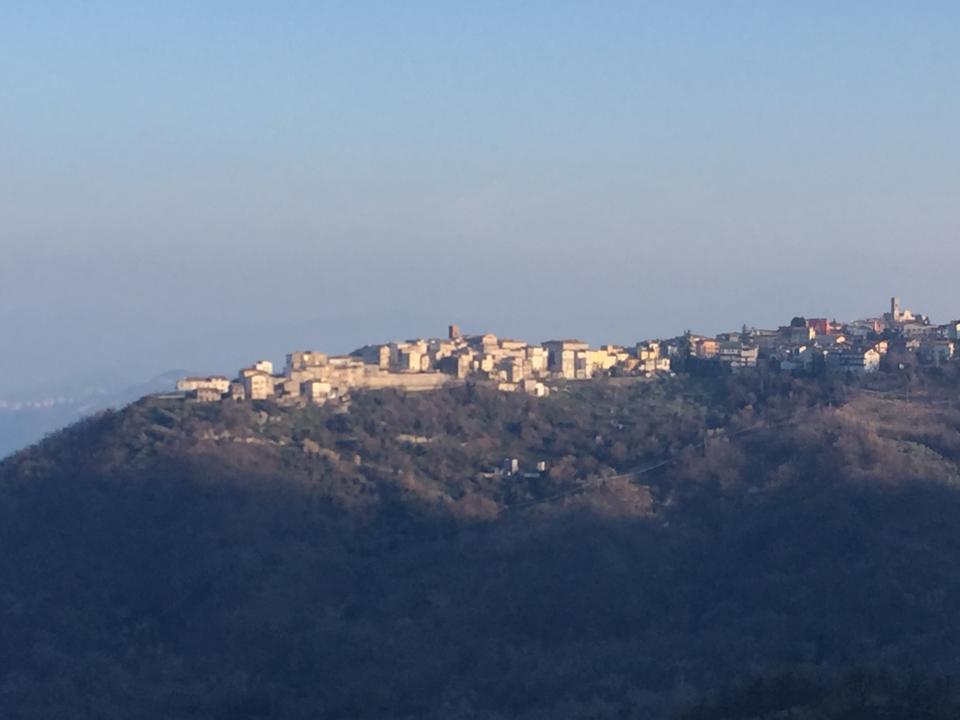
(192, 187)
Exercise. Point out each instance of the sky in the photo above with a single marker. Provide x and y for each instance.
(198, 185)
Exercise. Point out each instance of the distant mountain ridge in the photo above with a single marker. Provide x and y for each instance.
(27, 417)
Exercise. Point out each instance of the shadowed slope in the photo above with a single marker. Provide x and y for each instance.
(237, 561)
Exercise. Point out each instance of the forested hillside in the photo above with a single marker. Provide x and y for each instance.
(688, 541)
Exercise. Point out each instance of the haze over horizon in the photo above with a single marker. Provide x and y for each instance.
(198, 185)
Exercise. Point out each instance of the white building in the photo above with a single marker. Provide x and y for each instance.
(859, 362)
(264, 366)
(192, 384)
(317, 391)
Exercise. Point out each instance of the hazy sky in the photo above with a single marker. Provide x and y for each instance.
(197, 184)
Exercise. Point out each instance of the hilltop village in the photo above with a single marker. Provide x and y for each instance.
(892, 341)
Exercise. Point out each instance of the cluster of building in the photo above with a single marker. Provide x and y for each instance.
(858, 347)
(897, 338)
(424, 364)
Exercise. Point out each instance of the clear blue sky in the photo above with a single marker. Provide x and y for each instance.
(195, 184)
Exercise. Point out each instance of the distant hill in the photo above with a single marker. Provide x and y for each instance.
(29, 416)
(688, 536)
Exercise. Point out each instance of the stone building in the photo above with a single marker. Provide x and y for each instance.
(562, 356)
(317, 391)
(304, 359)
(704, 348)
(650, 359)
(258, 385)
(207, 394)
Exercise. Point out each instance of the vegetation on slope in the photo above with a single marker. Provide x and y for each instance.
(244, 561)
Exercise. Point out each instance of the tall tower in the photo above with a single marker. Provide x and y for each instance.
(895, 309)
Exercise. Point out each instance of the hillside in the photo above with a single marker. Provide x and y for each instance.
(176, 560)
